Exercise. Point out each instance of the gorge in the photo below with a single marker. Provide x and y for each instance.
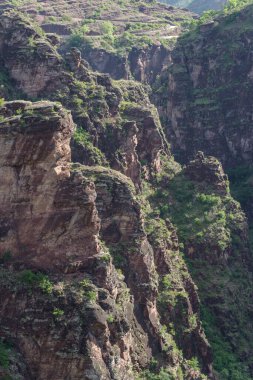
(126, 191)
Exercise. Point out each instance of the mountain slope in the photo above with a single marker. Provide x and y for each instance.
(105, 275)
(197, 6)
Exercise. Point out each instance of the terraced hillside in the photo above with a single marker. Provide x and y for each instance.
(197, 6)
(149, 18)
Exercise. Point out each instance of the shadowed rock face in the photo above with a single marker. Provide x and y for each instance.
(142, 64)
(206, 102)
(48, 213)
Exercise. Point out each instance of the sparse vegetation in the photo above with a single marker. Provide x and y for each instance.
(82, 137)
(110, 318)
(4, 355)
(31, 279)
(57, 313)
(210, 225)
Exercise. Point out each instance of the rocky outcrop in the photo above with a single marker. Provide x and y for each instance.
(208, 170)
(42, 191)
(107, 62)
(144, 64)
(35, 162)
(207, 175)
(33, 79)
(153, 259)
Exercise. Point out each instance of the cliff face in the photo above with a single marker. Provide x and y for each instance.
(144, 64)
(206, 92)
(67, 224)
(151, 250)
(119, 39)
(95, 279)
(87, 319)
(35, 162)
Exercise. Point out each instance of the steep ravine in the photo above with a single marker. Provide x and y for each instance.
(100, 288)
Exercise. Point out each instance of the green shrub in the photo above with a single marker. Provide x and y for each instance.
(110, 318)
(192, 322)
(86, 283)
(194, 363)
(58, 313)
(153, 365)
(6, 257)
(28, 277)
(91, 295)
(235, 5)
(107, 28)
(31, 279)
(163, 374)
(66, 18)
(45, 284)
(106, 258)
(77, 102)
(166, 281)
(78, 39)
(226, 363)
(82, 137)
(208, 199)
(4, 355)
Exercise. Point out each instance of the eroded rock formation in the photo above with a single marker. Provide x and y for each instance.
(51, 223)
(93, 276)
(48, 213)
